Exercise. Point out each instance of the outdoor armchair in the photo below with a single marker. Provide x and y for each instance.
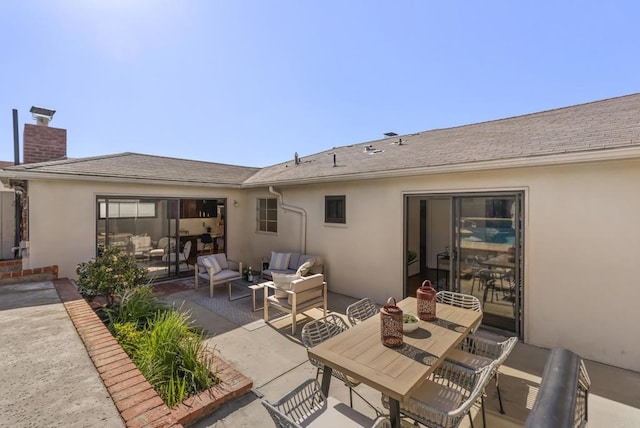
(296, 296)
(217, 270)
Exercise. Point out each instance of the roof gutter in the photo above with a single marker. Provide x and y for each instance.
(298, 210)
(523, 162)
(6, 174)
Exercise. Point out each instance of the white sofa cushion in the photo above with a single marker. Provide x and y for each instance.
(304, 268)
(302, 285)
(210, 262)
(221, 258)
(305, 258)
(283, 281)
(279, 261)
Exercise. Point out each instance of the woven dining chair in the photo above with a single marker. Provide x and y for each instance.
(306, 405)
(316, 332)
(477, 352)
(464, 301)
(446, 397)
(361, 310)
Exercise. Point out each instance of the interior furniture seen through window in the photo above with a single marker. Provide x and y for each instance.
(335, 209)
(267, 215)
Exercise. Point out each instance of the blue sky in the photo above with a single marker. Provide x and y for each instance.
(252, 82)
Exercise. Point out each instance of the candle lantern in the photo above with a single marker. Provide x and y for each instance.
(426, 297)
(391, 324)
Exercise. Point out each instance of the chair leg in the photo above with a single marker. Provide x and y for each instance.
(350, 397)
(484, 420)
(502, 412)
(470, 419)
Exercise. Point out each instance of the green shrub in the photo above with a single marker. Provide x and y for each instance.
(169, 353)
(133, 305)
(113, 271)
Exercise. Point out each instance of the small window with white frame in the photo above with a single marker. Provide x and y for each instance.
(267, 215)
(335, 209)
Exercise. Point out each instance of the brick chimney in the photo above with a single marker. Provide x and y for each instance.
(41, 142)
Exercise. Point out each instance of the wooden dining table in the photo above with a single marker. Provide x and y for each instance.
(395, 372)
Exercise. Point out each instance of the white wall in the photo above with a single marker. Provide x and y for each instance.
(581, 241)
(62, 218)
(581, 247)
(8, 224)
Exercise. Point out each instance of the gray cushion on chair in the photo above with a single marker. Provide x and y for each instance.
(222, 260)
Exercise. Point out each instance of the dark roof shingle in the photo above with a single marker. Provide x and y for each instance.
(596, 126)
(134, 166)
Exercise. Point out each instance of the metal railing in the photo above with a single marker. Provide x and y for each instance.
(563, 395)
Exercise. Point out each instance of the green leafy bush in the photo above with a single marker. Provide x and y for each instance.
(113, 271)
(169, 353)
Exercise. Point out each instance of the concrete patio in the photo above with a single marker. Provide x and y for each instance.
(277, 362)
(52, 381)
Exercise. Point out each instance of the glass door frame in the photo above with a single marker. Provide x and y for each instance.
(519, 196)
(456, 236)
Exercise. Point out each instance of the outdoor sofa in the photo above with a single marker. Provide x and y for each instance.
(289, 262)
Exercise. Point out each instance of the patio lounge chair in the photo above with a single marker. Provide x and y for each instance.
(301, 294)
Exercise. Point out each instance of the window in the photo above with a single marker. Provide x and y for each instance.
(128, 209)
(335, 209)
(267, 215)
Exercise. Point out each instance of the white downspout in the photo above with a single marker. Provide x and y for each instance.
(298, 210)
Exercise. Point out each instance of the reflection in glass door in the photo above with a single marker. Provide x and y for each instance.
(487, 243)
(144, 228)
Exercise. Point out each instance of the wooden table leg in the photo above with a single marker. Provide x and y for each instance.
(394, 412)
(326, 380)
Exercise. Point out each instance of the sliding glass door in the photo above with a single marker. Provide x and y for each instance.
(145, 228)
(470, 243)
(487, 243)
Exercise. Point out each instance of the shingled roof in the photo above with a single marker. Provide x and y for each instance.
(140, 167)
(598, 129)
(593, 127)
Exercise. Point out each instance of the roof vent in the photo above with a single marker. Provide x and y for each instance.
(41, 115)
(296, 158)
(368, 147)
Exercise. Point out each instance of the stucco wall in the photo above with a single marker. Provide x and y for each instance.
(581, 241)
(62, 226)
(581, 247)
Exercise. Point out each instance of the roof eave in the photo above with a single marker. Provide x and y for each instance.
(30, 175)
(522, 162)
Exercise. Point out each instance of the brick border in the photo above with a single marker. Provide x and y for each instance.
(136, 400)
(11, 273)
